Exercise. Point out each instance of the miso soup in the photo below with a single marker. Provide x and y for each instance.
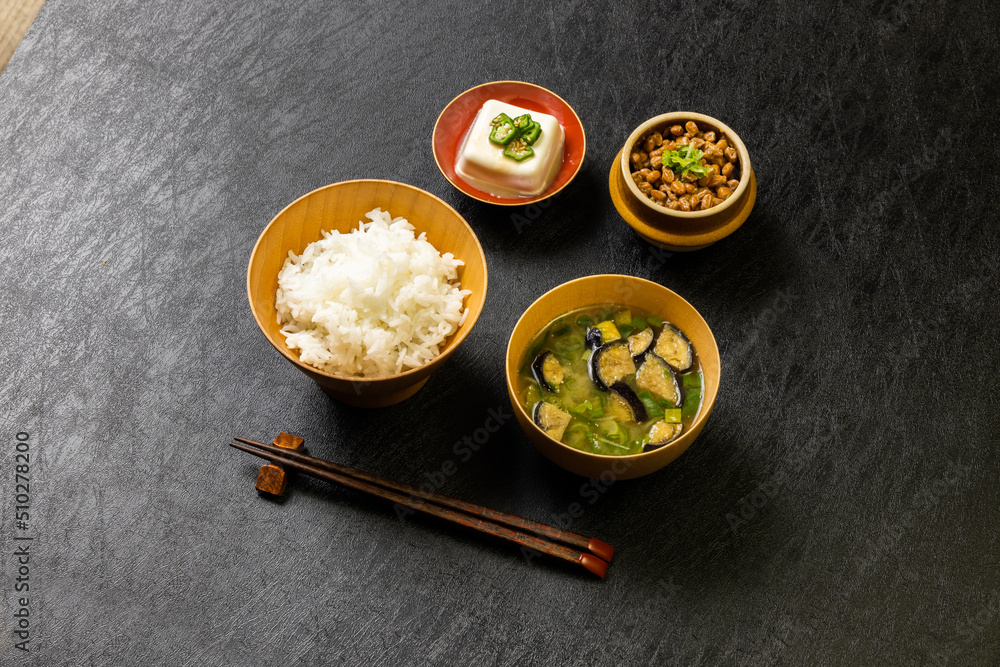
(611, 380)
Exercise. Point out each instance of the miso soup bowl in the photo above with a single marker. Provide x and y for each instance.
(627, 292)
(341, 206)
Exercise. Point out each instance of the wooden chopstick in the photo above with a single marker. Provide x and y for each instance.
(602, 550)
(588, 561)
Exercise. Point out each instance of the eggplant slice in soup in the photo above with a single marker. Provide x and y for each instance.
(639, 343)
(602, 334)
(611, 363)
(548, 371)
(619, 410)
(636, 408)
(550, 419)
(659, 379)
(661, 433)
(593, 338)
(674, 348)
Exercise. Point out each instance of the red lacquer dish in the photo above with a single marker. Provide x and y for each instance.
(456, 119)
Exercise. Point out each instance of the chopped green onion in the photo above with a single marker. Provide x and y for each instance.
(576, 435)
(638, 323)
(587, 411)
(685, 160)
(655, 321)
(672, 416)
(532, 395)
(625, 330)
(693, 389)
(637, 444)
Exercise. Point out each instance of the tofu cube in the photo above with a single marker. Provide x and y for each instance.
(481, 163)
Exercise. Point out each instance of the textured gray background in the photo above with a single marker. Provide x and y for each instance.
(841, 507)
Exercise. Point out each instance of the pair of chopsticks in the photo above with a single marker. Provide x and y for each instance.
(592, 554)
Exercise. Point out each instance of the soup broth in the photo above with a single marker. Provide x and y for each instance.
(611, 380)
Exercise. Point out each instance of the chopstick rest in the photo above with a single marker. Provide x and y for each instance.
(273, 478)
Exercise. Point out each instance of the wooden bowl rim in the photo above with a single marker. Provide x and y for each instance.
(706, 406)
(657, 230)
(452, 345)
(509, 201)
(656, 121)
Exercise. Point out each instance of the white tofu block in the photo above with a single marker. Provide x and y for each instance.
(482, 163)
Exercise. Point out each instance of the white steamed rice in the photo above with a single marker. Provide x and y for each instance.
(374, 302)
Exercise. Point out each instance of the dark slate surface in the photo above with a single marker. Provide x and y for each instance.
(841, 507)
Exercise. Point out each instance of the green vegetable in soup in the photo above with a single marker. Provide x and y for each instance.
(673, 415)
(623, 317)
(652, 407)
(692, 383)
